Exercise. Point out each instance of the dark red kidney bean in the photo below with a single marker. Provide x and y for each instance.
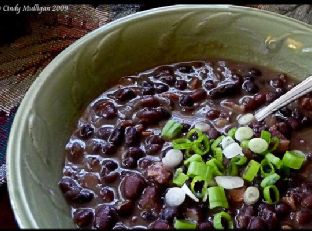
(82, 197)
(256, 223)
(213, 114)
(107, 194)
(168, 79)
(303, 217)
(150, 199)
(186, 101)
(75, 152)
(105, 217)
(185, 69)
(129, 162)
(254, 72)
(282, 209)
(132, 186)
(83, 217)
(144, 163)
(268, 215)
(132, 136)
(271, 96)
(260, 98)
(159, 173)
(181, 85)
(104, 132)
(209, 84)
(306, 103)
(160, 87)
(307, 202)
(152, 115)
(249, 104)
(125, 208)
(124, 94)
(117, 136)
(66, 184)
(159, 224)
(199, 95)
(111, 177)
(169, 213)
(149, 101)
(195, 83)
(205, 225)
(250, 86)
(105, 109)
(213, 133)
(86, 131)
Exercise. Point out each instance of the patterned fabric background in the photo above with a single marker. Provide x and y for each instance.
(28, 42)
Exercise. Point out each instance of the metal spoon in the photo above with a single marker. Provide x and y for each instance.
(299, 90)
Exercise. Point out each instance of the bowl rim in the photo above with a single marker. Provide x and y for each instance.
(22, 211)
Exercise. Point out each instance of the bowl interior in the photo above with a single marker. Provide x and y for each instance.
(52, 106)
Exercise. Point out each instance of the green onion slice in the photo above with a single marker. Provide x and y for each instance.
(197, 169)
(270, 191)
(293, 159)
(181, 144)
(274, 143)
(251, 170)
(270, 180)
(277, 162)
(232, 169)
(171, 130)
(217, 197)
(239, 160)
(183, 224)
(266, 168)
(201, 147)
(195, 135)
(266, 136)
(244, 144)
(216, 142)
(217, 221)
(194, 157)
(217, 153)
(216, 166)
(179, 177)
(198, 179)
(231, 132)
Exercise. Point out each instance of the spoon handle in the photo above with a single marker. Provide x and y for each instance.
(299, 90)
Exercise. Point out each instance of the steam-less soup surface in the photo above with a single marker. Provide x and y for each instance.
(133, 160)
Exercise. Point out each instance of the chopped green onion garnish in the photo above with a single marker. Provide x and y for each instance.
(270, 180)
(274, 143)
(251, 170)
(244, 144)
(183, 224)
(266, 136)
(216, 166)
(258, 145)
(222, 216)
(266, 168)
(195, 135)
(277, 162)
(217, 197)
(239, 160)
(216, 142)
(232, 169)
(171, 130)
(201, 147)
(179, 177)
(198, 179)
(217, 153)
(271, 190)
(197, 169)
(231, 132)
(293, 159)
(181, 144)
(194, 157)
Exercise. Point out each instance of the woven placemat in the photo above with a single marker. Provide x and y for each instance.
(36, 39)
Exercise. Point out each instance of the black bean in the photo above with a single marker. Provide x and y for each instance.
(107, 194)
(149, 101)
(135, 152)
(307, 202)
(83, 217)
(132, 136)
(132, 186)
(150, 199)
(276, 83)
(154, 144)
(105, 217)
(205, 225)
(249, 104)
(110, 165)
(149, 116)
(209, 84)
(169, 213)
(185, 69)
(83, 196)
(144, 163)
(199, 95)
(168, 79)
(250, 86)
(159, 173)
(108, 149)
(110, 177)
(129, 162)
(159, 224)
(66, 184)
(268, 215)
(213, 133)
(213, 114)
(256, 223)
(124, 94)
(260, 98)
(104, 132)
(75, 152)
(147, 84)
(242, 221)
(86, 131)
(181, 84)
(125, 208)
(270, 96)
(186, 101)
(160, 87)
(148, 91)
(223, 90)
(149, 215)
(117, 136)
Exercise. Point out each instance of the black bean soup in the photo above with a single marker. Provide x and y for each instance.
(114, 177)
